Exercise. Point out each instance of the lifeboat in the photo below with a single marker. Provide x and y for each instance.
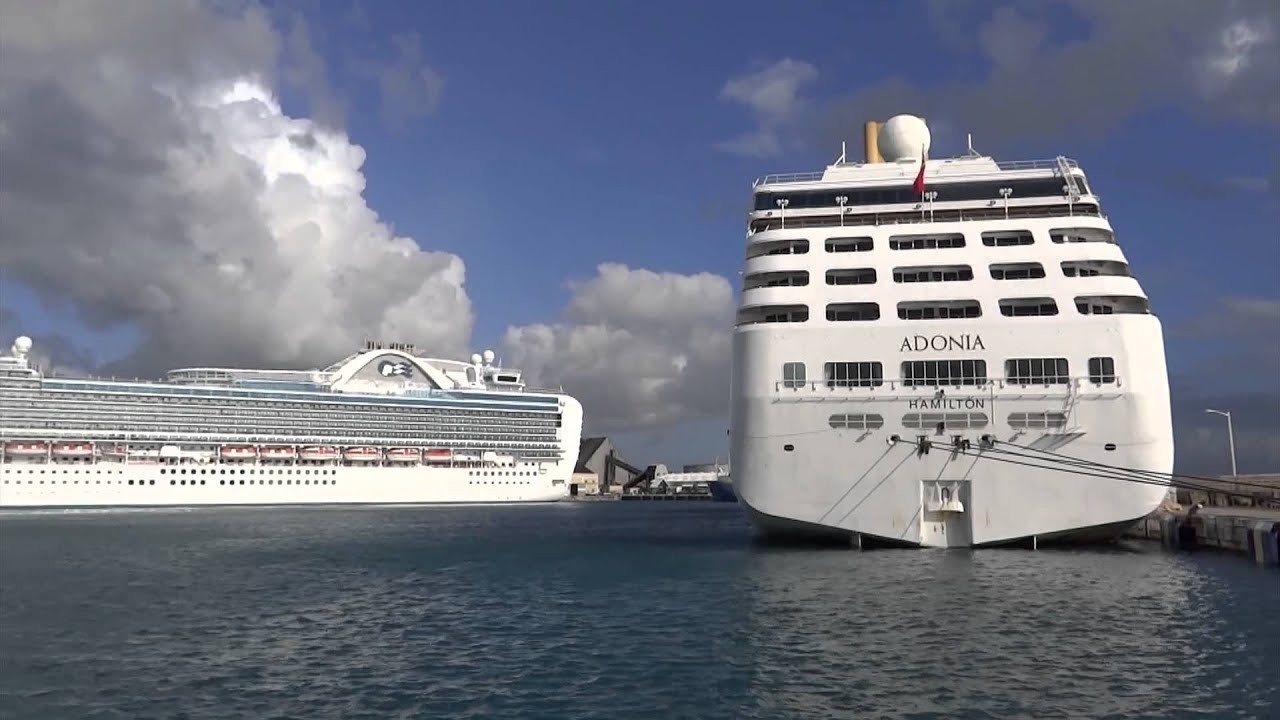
(278, 452)
(73, 449)
(409, 455)
(363, 454)
(318, 453)
(239, 452)
(114, 450)
(26, 448)
(439, 455)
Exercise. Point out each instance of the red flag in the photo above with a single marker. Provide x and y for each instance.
(918, 185)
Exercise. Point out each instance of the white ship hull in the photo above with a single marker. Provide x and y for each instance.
(858, 485)
(57, 485)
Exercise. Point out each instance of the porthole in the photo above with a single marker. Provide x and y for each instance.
(1109, 447)
(788, 447)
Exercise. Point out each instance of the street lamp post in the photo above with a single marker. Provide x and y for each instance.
(1231, 437)
(841, 200)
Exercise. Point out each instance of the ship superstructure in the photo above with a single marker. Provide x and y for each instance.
(900, 316)
(384, 425)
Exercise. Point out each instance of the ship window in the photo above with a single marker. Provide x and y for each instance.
(778, 247)
(949, 421)
(1102, 370)
(773, 314)
(1025, 307)
(1036, 371)
(932, 273)
(853, 312)
(1094, 268)
(1112, 305)
(849, 244)
(793, 375)
(853, 374)
(790, 278)
(1081, 234)
(937, 373)
(926, 242)
(856, 422)
(851, 276)
(939, 309)
(1017, 271)
(1025, 420)
(1007, 238)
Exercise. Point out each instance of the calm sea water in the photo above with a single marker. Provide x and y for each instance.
(607, 610)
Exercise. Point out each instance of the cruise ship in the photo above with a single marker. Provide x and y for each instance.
(382, 426)
(905, 321)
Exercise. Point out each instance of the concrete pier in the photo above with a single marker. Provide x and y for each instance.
(1254, 531)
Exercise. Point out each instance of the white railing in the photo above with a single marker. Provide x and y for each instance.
(1063, 165)
(922, 214)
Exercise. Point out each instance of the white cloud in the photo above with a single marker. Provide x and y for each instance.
(772, 95)
(640, 349)
(152, 178)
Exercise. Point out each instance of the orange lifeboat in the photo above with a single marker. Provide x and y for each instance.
(318, 453)
(362, 454)
(239, 452)
(26, 448)
(404, 455)
(73, 449)
(277, 452)
(439, 455)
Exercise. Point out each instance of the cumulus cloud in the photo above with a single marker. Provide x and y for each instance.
(772, 96)
(1219, 58)
(640, 349)
(149, 176)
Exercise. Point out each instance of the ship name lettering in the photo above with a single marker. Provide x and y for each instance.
(946, 404)
(920, 343)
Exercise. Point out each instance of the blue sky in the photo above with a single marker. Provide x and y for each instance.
(561, 135)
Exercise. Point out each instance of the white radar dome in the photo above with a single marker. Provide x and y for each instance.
(903, 137)
(22, 344)
(475, 358)
(488, 356)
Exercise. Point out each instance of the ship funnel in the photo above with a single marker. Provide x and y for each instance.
(871, 141)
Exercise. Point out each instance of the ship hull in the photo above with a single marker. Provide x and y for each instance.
(55, 485)
(797, 477)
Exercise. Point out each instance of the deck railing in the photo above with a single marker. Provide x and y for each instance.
(922, 214)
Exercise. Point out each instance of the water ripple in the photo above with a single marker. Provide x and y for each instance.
(604, 611)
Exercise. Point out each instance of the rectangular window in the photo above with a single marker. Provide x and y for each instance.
(851, 276)
(793, 375)
(786, 278)
(773, 314)
(1094, 268)
(856, 422)
(1036, 371)
(777, 247)
(853, 374)
(852, 312)
(926, 242)
(1081, 234)
(932, 273)
(1007, 238)
(850, 244)
(947, 421)
(939, 310)
(1026, 307)
(1102, 370)
(1112, 305)
(1037, 420)
(1017, 271)
(937, 373)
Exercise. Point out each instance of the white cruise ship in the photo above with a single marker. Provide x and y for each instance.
(923, 345)
(382, 426)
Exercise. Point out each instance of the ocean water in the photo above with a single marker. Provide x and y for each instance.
(605, 610)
